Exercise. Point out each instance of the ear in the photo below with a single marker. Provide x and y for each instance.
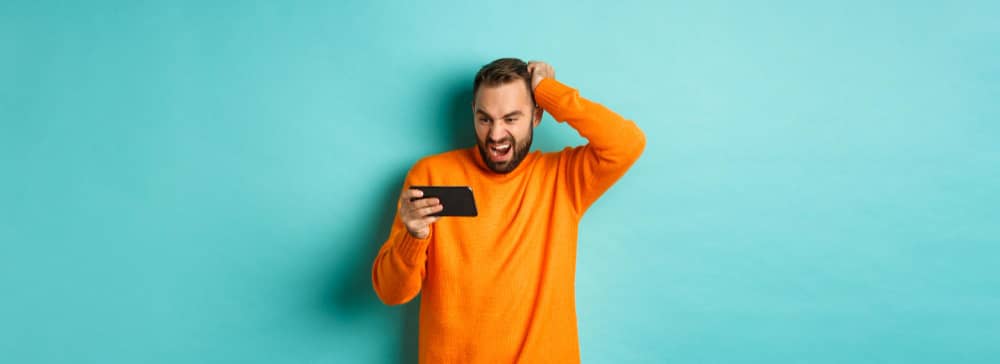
(537, 116)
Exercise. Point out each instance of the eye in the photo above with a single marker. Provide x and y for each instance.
(484, 120)
(510, 120)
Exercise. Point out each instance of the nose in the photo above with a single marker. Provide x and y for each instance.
(497, 133)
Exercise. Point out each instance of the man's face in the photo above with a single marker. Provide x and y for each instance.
(505, 117)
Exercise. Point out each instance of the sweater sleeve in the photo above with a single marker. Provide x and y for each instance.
(400, 266)
(613, 143)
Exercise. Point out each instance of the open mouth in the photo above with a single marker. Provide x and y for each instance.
(500, 152)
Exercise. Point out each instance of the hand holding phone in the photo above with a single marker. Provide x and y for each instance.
(415, 212)
(421, 206)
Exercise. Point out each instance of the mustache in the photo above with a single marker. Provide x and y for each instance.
(508, 138)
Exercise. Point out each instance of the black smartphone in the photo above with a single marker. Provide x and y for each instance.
(457, 200)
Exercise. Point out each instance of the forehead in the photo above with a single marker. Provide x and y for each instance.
(501, 99)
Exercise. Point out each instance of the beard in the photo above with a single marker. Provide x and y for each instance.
(519, 148)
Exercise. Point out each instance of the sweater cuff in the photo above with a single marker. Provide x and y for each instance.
(548, 93)
(412, 249)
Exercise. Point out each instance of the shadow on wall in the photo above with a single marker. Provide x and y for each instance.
(457, 120)
(355, 295)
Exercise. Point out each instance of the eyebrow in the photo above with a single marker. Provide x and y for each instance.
(510, 114)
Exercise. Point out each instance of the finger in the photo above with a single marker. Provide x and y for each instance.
(430, 220)
(422, 212)
(409, 195)
(424, 202)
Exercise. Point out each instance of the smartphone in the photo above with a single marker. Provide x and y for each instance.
(457, 200)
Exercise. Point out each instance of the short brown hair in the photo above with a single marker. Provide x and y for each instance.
(503, 71)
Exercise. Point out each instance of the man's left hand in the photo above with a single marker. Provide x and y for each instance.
(538, 71)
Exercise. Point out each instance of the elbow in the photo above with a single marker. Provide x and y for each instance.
(640, 142)
(390, 301)
(625, 152)
(394, 299)
(392, 296)
(637, 145)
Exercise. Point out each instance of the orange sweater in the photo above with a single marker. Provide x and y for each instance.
(499, 287)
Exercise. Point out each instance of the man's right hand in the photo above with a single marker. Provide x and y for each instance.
(414, 213)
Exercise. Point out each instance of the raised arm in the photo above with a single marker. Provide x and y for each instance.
(613, 143)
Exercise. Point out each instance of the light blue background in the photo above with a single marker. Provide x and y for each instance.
(208, 182)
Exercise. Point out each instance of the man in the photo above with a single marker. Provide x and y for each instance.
(499, 287)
